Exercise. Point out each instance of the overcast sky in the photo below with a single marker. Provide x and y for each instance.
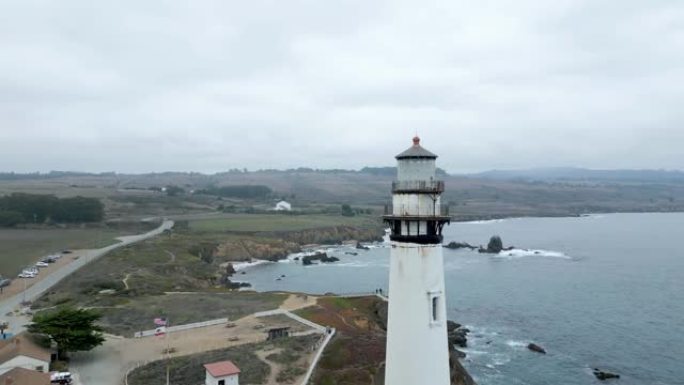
(137, 86)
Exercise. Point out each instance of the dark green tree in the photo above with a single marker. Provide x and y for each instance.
(173, 191)
(10, 218)
(71, 329)
(347, 210)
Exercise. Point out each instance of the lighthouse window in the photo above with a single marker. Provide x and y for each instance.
(435, 308)
(435, 302)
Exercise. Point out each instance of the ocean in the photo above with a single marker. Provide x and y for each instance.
(604, 291)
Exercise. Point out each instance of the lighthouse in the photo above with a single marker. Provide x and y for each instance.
(417, 348)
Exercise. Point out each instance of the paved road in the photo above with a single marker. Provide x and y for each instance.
(10, 304)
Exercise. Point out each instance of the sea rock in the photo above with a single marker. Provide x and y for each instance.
(459, 376)
(459, 337)
(536, 348)
(457, 353)
(361, 247)
(230, 270)
(601, 375)
(459, 245)
(495, 246)
(451, 326)
(322, 257)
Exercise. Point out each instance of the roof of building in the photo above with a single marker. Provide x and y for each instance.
(21, 345)
(416, 151)
(21, 376)
(222, 369)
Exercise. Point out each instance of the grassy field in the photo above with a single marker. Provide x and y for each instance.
(136, 315)
(22, 247)
(356, 354)
(275, 222)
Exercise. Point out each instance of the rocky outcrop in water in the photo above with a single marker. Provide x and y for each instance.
(322, 257)
(460, 245)
(495, 246)
(601, 375)
(359, 246)
(459, 376)
(536, 348)
(457, 334)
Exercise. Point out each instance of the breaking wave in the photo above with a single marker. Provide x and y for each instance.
(522, 253)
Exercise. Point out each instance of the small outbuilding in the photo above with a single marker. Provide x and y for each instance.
(279, 332)
(222, 373)
(283, 206)
(22, 352)
(21, 376)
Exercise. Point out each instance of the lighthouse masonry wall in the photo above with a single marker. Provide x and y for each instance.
(416, 349)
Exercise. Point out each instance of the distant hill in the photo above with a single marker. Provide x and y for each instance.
(582, 174)
(491, 194)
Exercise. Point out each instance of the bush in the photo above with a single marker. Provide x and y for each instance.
(10, 218)
(35, 208)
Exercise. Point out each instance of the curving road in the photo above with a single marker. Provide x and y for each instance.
(18, 322)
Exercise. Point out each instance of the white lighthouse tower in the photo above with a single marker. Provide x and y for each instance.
(417, 348)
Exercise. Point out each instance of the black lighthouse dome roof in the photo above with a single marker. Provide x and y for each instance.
(416, 152)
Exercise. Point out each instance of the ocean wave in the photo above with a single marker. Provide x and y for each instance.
(522, 253)
(482, 222)
(244, 265)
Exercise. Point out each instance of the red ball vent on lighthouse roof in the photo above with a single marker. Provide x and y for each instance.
(416, 151)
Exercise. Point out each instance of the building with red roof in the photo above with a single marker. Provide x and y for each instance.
(222, 373)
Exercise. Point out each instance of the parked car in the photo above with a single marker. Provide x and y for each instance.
(42, 264)
(60, 378)
(5, 282)
(26, 275)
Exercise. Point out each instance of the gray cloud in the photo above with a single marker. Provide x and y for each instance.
(208, 86)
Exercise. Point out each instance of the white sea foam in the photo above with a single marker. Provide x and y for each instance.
(516, 344)
(501, 359)
(522, 253)
(483, 222)
(244, 265)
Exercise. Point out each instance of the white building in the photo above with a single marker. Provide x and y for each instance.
(21, 352)
(283, 206)
(417, 348)
(222, 373)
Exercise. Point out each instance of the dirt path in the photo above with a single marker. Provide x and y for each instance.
(125, 280)
(275, 367)
(298, 301)
(172, 256)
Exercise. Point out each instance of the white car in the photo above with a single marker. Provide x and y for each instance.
(26, 275)
(42, 264)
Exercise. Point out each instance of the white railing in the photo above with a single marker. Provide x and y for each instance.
(295, 317)
(317, 357)
(177, 328)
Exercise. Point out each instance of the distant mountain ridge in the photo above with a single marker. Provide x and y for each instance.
(583, 174)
